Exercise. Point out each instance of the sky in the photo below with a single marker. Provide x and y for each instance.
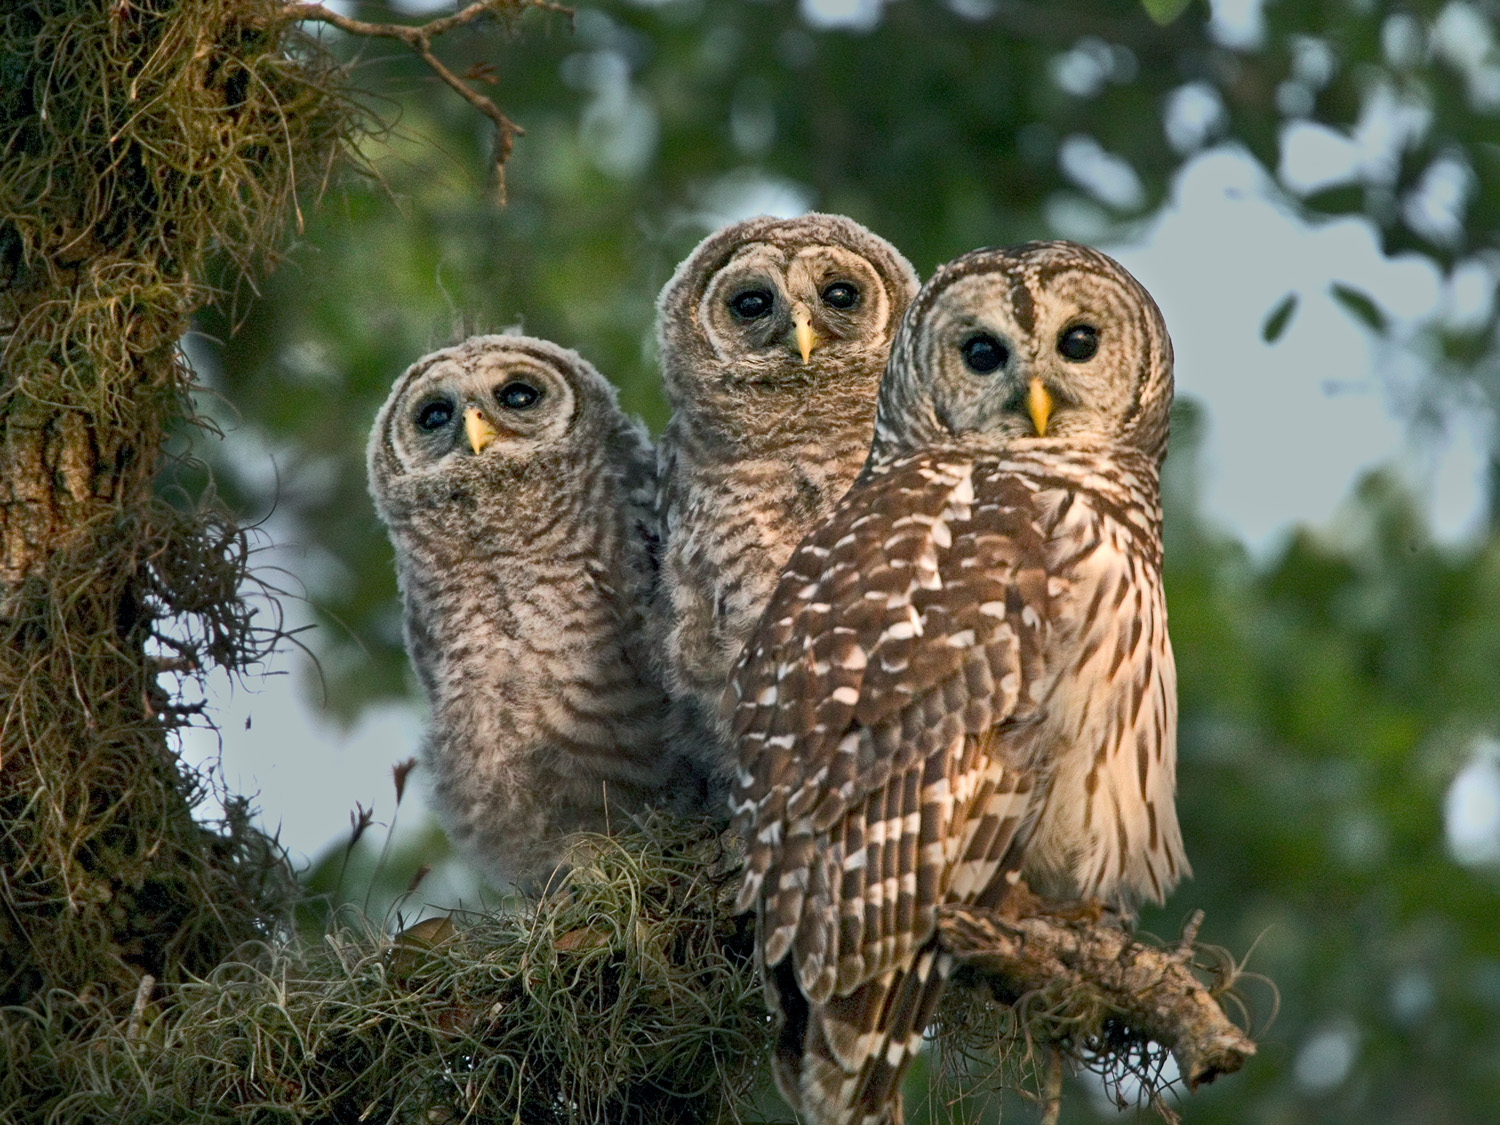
(1292, 426)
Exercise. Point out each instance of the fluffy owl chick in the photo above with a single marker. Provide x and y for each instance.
(520, 500)
(963, 675)
(773, 336)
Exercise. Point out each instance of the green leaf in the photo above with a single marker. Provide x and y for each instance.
(1362, 306)
(1165, 11)
(1278, 318)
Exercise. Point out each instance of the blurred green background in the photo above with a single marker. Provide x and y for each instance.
(1312, 190)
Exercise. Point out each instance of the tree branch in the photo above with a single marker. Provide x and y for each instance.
(419, 39)
(1030, 945)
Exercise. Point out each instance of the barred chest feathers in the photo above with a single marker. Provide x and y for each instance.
(1108, 829)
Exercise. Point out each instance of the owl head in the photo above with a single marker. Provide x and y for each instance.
(467, 428)
(769, 307)
(1047, 341)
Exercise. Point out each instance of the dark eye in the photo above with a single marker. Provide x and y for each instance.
(752, 304)
(518, 396)
(841, 295)
(1079, 343)
(434, 415)
(984, 353)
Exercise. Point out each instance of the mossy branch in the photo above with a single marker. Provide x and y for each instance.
(1104, 979)
(419, 39)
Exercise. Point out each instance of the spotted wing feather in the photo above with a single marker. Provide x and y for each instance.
(881, 720)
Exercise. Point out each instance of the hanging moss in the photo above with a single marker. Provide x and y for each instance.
(145, 141)
(626, 996)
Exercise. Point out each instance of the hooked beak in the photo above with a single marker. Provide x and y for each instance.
(480, 432)
(1039, 406)
(802, 329)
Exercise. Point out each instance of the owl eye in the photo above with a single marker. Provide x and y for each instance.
(752, 304)
(983, 353)
(434, 415)
(841, 295)
(517, 395)
(1078, 343)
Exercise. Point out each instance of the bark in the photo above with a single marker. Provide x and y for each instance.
(62, 474)
(1102, 973)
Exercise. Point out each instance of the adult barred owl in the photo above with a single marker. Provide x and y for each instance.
(520, 502)
(773, 334)
(963, 676)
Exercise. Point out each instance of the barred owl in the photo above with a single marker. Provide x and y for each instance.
(773, 335)
(963, 676)
(520, 502)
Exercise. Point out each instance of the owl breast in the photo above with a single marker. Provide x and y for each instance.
(1109, 828)
(729, 541)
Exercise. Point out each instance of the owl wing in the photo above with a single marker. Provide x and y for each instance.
(881, 712)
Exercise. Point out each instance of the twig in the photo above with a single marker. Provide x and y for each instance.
(419, 39)
(138, 1009)
(1030, 945)
(1052, 1094)
(1189, 937)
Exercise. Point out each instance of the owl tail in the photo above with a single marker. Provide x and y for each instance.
(841, 1063)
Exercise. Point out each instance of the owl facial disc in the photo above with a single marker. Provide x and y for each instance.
(491, 397)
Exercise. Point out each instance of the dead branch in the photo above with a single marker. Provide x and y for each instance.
(419, 39)
(1030, 946)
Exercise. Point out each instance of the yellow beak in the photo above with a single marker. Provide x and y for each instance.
(1039, 403)
(807, 339)
(480, 432)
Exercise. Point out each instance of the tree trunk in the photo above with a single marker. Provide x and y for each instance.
(142, 143)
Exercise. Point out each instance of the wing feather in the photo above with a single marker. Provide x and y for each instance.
(882, 726)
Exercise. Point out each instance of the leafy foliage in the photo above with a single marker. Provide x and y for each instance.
(1327, 700)
(986, 124)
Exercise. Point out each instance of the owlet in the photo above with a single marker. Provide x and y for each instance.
(773, 335)
(520, 501)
